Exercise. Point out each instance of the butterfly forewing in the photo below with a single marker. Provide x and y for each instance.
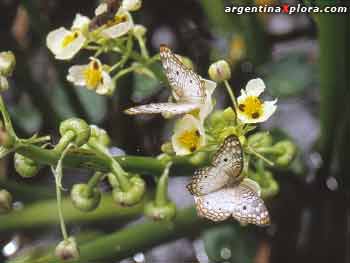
(186, 84)
(240, 202)
(168, 107)
(229, 157)
(206, 180)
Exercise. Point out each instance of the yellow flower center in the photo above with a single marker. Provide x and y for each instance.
(252, 107)
(116, 20)
(69, 39)
(93, 74)
(190, 139)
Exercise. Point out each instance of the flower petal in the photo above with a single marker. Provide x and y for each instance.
(80, 22)
(102, 8)
(107, 86)
(119, 29)
(54, 39)
(76, 75)
(255, 87)
(72, 49)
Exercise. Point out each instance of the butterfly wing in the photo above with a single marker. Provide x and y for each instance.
(241, 202)
(206, 180)
(170, 108)
(186, 84)
(229, 157)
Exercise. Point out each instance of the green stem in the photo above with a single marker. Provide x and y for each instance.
(93, 183)
(161, 198)
(107, 211)
(64, 141)
(232, 96)
(144, 51)
(114, 166)
(140, 237)
(260, 156)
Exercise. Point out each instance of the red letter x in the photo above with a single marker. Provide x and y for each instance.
(285, 8)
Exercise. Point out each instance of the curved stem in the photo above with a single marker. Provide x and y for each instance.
(64, 141)
(232, 96)
(162, 187)
(93, 183)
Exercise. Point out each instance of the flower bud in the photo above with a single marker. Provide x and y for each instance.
(5, 201)
(269, 186)
(7, 63)
(164, 212)
(288, 151)
(220, 71)
(167, 148)
(25, 167)
(4, 84)
(131, 5)
(139, 31)
(67, 250)
(229, 114)
(100, 135)
(133, 195)
(85, 199)
(260, 139)
(80, 128)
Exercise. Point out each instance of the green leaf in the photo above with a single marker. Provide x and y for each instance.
(289, 76)
(229, 243)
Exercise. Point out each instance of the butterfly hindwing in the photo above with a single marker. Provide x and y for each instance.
(229, 157)
(186, 84)
(168, 107)
(240, 201)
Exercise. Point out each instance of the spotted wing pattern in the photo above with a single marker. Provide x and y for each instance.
(241, 202)
(185, 83)
(226, 167)
(172, 108)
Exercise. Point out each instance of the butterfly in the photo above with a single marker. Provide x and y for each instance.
(108, 15)
(220, 192)
(188, 88)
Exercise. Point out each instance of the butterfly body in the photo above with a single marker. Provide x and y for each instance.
(220, 192)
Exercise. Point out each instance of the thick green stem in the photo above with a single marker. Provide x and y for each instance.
(140, 237)
(43, 214)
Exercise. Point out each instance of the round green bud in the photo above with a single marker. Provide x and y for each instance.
(100, 135)
(67, 250)
(167, 148)
(5, 201)
(133, 195)
(288, 151)
(139, 31)
(229, 114)
(164, 212)
(83, 199)
(25, 167)
(219, 71)
(269, 186)
(7, 63)
(260, 139)
(79, 127)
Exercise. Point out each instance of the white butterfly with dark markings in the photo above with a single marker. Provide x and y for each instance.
(189, 90)
(220, 192)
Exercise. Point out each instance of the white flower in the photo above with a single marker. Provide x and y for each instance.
(250, 108)
(188, 136)
(7, 63)
(131, 5)
(4, 85)
(206, 108)
(93, 76)
(64, 43)
(120, 25)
